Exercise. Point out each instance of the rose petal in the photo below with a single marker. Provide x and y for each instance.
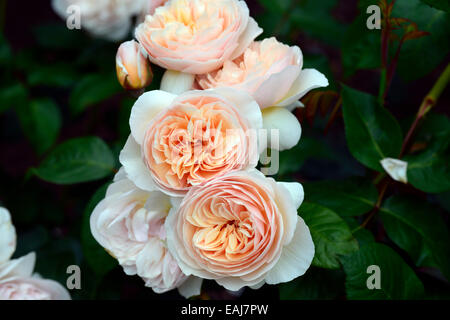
(146, 107)
(295, 258)
(308, 80)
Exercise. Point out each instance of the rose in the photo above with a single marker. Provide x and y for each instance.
(18, 283)
(177, 142)
(129, 224)
(109, 19)
(197, 36)
(261, 70)
(241, 229)
(7, 236)
(132, 67)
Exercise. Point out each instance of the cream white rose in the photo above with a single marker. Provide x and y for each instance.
(17, 282)
(129, 224)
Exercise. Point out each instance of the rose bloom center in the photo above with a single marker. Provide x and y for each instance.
(194, 141)
(233, 228)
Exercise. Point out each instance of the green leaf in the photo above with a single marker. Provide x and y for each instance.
(360, 47)
(351, 197)
(418, 229)
(77, 160)
(331, 235)
(398, 280)
(41, 121)
(11, 96)
(417, 52)
(361, 234)
(93, 89)
(315, 284)
(372, 133)
(438, 4)
(429, 171)
(96, 257)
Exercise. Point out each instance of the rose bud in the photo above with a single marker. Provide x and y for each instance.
(132, 66)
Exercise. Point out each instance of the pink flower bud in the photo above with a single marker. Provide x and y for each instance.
(132, 66)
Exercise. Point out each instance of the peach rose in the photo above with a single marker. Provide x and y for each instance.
(18, 283)
(177, 142)
(132, 67)
(270, 71)
(108, 19)
(241, 229)
(197, 36)
(129, 224)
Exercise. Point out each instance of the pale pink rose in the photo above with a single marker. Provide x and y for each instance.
(108, 19)
(177, 142)
(270, 71)
(18, 283)
(241, 229)
(129, 224)
(197, 36)
(7, 236)
(132, 67)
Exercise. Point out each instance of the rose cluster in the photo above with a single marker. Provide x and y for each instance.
(188, 203)
(17, 281)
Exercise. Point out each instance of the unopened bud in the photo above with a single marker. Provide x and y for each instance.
(132, 66)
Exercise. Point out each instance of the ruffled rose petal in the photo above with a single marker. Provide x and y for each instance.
(131, 159)
(295, 258)
(16, 268)
(146, 107)
(308, 80)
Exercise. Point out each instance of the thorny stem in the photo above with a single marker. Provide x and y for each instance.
(428, 102)
(377, 205)
(391, 69)
(333, 114)
(384, 56)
